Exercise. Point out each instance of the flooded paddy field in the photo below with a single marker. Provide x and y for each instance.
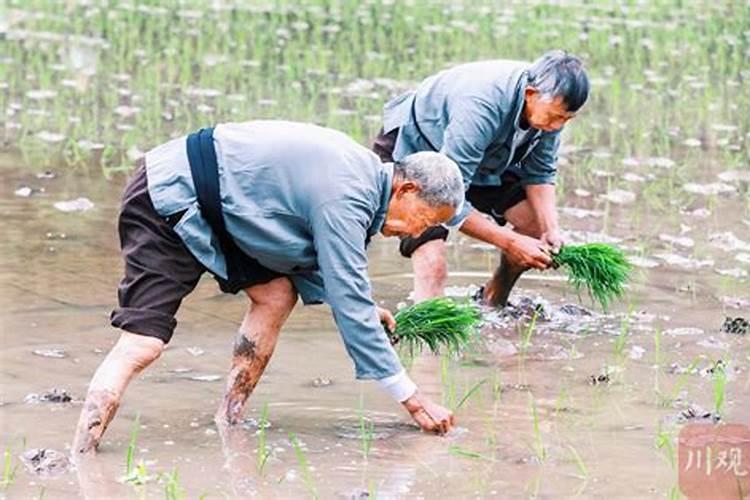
(556, 399)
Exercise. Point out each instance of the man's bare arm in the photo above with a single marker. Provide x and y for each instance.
(523, 250)
(543, 201)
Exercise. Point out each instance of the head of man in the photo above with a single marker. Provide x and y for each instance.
(427, 190)
(557, 88)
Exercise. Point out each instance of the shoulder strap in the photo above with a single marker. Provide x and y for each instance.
(205, 171)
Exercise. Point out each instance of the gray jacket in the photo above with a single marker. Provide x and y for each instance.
(301, 199)
(471, 114)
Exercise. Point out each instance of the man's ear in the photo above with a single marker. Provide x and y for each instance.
(407, 187)
(530, 91)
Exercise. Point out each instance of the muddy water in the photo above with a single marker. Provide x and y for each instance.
(59, 273)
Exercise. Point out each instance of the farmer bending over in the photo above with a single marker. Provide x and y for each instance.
(500, 121)
(275, 209)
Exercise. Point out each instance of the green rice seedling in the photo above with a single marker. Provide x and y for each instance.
(436, 323)
(618, 348)
(601, 269)
(667, 400)
(534, 485)
(665, 443)
(40, 495)
(448, 382)
(497, 386)
(372, 489)
(263, 450)
(135, 473)
(657, 359)
(469, 394)
(302, 461)
(539, 449)
(528, 332)
(366, 429)
(139, 475)
(675, 494)
(583, 471)
(719, 379)
(130, 453)
(460, 452)
(9, 470)
(172, 488)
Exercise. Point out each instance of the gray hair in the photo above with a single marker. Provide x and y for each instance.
(438, 177)
(559, 74)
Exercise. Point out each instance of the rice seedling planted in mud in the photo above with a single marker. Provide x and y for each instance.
(666, 400)
(719, 379)
(172, 488)
(9, 470)
(664, 441)
(436, 323)
(469, 394)
(129, 454)
(135, 473)
(528, 332)
(601, 269)
(618, 348)
(302, 461)
(460, 452)
(539, 449)
(366, 429)
(263, 450)
(583, 471)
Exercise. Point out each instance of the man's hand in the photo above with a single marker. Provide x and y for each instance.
(387, 319)
(529, 252)
(431, 417)
(553, 239)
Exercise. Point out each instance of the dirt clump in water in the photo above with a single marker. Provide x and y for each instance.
(45, 462)
(736, 326)
(51, 396)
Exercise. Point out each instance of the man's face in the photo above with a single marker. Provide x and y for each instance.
(408, 215)
(543, 114)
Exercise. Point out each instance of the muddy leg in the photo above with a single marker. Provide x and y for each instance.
(430, 270)
(270, 306)
(497, 290)
(130, 355)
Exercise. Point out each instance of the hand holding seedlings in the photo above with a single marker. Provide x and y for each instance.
(436, 323)
(554, 241)
(261, 255)
(387, 319)
(601, 269)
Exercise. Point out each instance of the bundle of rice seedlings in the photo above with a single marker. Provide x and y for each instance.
(436, 323)
(601, 269)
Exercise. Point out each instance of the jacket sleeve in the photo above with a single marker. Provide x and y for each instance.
(339, 231)
(540, 166)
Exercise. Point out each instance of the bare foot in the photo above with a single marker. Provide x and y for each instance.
(98, 410)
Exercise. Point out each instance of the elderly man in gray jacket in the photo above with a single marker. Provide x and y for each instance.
(274, 209)
(500, 121)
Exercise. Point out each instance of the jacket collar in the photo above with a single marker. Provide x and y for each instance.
(386, 185)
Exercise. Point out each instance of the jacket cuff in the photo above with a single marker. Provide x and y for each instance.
(400, 386)
(537, 179)
(460, 216)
